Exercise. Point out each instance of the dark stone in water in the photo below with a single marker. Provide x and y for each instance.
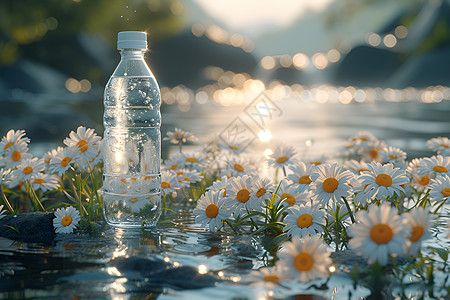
(35, 227)
(161, 274)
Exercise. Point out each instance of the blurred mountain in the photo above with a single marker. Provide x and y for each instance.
(182, 58)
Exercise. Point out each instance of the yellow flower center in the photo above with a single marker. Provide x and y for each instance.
(288, 198)
(305, 179)
(212, 211)
(224, 191)
(165, 185)
(16, 156)
(27, 170)
(440, 169)
(173, 167)
(39, 181)
(330, 185)
(179, 173)
(192, 160)
(316, 163)
(186, 179)
(234, 147)
(393, 156)
(260, 192)
(383, 180)
(446, 192)
(83, 145)
(8, 145)
(304, 221)
(281, 159)
(363, 138)
(66, 221)
(424, 180)
(303, 262)
(271, 278)
(65, 161)
(363, 170)
(47, 161)
(444, 145)
(238, 168)
(381, 234)
(416, 233)
(373, 153)
(243, 195)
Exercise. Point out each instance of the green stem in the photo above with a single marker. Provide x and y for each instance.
(349, 210)
(32, 194)
(8, 205)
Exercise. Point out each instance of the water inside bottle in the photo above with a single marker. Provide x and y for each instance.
(131, 181)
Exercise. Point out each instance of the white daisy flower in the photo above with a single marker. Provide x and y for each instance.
(305, 260)
(84, 143)
(44, 182)
(261, 189)
(380, 232)
(2, 212)
(211, 211)
(383, 180)
(169, 182)
(28, 168)
(395, 156)
(282, 156)
(356, 167)
(84, 165)
(330, 182)
(364, 139)
(179, 136)
(194, 160)
(303, 220)
(291, 195)
(15, 154)
(220, 186)
(300, 176)
(436, 165)
(137, 203)
(372, 153)
(187, 177)
(13, 138)
(420, 182)
(50, 154)
(66, 219)
(420, 222)
(413, 165)
(62, 161)
(238, 166)
(236, 147)
(238, 195)
(173, 163)
(268, 278)
(440, 188)
(440, 144)
(362, 194)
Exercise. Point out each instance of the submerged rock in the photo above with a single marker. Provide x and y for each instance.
(158, 273)
(35, 227)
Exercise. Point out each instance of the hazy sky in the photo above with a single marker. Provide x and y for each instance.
(251, 16)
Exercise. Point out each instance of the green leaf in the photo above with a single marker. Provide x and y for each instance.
(443, 253)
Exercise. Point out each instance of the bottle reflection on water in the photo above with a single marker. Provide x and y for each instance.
(132, 139)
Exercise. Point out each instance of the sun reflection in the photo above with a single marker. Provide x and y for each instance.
(113, 271)
(202, 269)
(401, 32)
(374, 39)
(268, 153)
(119, 253)
(300, 61)
(390, 40)
(265, 135)
(320, 61)
(268, 63)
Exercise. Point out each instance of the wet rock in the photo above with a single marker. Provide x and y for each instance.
(158, 273)
(35, 227)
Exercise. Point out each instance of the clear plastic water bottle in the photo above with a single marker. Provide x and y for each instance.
(132, 138)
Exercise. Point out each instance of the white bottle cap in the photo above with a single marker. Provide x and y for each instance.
(131, 40)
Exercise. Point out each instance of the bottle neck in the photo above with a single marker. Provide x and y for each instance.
(132, 54)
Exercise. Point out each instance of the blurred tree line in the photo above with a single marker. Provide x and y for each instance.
(49, 31)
